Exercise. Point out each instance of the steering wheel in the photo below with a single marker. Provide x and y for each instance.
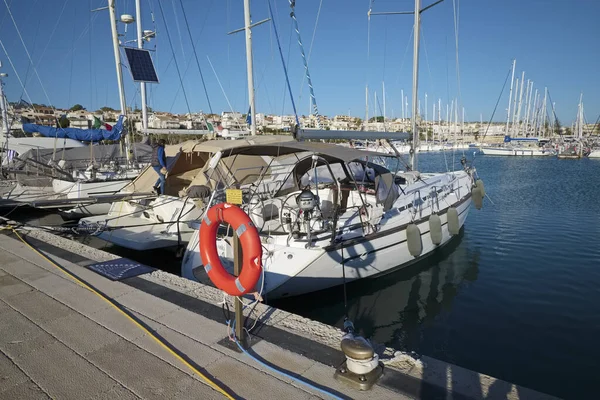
(254, 208)
(288, 208)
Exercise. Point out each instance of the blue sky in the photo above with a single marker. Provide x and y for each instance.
(554, 41)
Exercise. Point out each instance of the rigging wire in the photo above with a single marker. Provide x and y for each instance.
(456, 9)
(288, 61)
(495, 108)
(4, 16)
(174, 58)
(219, 82)
(287, 79)
(306, 70)
(427, 60)
(79, 38)
(177, 26)
(31, 61)
(92, 77)
(195, 56)
(412, 32)
(189, 62)
(312, 40)
(53, 31)
(72, 60)
(368, 42)
(16, 74)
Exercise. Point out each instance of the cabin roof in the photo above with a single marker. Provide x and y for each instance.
(328, 150)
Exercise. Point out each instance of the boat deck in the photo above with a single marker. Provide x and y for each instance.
(138, 233)
(60, 340)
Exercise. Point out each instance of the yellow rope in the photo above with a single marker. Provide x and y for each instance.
(105, 298)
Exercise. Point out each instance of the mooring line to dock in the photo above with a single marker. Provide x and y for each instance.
(127, 314)
(231, 334)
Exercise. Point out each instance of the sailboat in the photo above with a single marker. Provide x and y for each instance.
(68, 185)
(525, 145)
(574, 149)
(332, 215)
(11, 147)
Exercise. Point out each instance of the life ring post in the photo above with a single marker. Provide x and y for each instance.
(247, 256)
(240, 334)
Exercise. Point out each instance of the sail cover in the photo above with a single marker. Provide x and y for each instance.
(86, 135)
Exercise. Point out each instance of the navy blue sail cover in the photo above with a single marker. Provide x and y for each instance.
(84, 135)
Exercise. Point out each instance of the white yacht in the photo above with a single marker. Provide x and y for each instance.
(330, 209)
(520, 147)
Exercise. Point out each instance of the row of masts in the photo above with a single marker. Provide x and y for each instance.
(446, 126)
(527, 112)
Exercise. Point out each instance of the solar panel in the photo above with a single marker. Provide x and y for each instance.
(141, 65)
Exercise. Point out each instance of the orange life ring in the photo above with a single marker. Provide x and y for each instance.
(249, 239)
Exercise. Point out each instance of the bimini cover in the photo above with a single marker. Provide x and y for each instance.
(86, 135)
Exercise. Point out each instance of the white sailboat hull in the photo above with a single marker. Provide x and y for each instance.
(159, 224)
(594, 154)
(68, 191)
(365, 260)
(515, 151)
(291, 269)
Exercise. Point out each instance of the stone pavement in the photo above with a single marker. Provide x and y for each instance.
(59, 340)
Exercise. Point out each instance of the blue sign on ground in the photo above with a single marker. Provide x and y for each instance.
(119, 269)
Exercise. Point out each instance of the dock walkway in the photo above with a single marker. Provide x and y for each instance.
(59, 340)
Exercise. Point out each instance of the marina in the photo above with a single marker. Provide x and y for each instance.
(117, 358)
(499, 278)
(204, 252)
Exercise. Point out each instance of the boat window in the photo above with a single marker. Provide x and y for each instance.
(323, 175)
(360, 172)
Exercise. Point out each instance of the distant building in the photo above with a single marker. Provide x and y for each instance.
(163, 122)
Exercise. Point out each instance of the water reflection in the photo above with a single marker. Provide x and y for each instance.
(392, 308)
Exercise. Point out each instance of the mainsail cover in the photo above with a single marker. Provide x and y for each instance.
(86, 135)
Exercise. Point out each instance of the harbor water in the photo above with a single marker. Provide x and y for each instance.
(516, 295)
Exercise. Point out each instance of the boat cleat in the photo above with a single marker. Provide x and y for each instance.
(361, 369)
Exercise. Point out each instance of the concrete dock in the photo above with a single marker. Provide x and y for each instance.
(59, 340)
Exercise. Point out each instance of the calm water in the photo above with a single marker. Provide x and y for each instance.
(516, 295)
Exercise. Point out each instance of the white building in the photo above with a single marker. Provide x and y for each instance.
(163, 122)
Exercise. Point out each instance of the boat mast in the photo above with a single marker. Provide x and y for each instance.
(447, 132)
(527, 106)
(140, 43)
(415, 94)
(544, 111)
(403, 113)
(440, 131)
(580, 117)
(366, 107)
(248, 29)
(534, 118)
(433, 124)
(115, 37)
(512, 81)
(426, 130)
(383, 84)
(4, 105)
(517, 126)
(514, 109)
